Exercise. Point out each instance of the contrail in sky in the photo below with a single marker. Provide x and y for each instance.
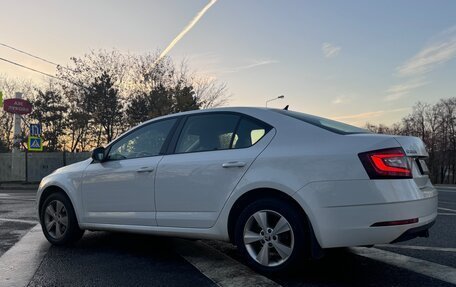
(185, 30)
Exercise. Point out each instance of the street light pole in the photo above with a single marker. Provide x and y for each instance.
(270, 100)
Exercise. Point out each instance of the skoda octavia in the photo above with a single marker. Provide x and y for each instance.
(279, 184)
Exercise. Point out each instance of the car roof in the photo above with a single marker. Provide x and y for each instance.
(246, 110)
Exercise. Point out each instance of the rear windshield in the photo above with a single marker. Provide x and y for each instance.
(330, 125)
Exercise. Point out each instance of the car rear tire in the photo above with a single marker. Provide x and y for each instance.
(58, 220)
(272, 235)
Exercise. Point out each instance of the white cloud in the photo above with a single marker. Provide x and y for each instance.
(211, 63)
(400, 90)
(363, 117)
(429, 58)
(251, 65)
(342, 99)
(330, 50)
(438, 52)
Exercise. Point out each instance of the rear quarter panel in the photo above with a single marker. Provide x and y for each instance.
(301, 154)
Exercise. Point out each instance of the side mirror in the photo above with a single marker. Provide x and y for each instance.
(98, 154)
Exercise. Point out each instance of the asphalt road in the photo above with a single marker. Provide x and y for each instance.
(17, 216)
(115, 259)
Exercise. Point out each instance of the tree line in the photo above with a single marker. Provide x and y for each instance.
(104, 93)
(436, 126)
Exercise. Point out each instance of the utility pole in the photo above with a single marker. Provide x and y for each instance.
(17, 128)
(16, 161)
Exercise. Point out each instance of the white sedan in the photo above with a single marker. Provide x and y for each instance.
(279, 184)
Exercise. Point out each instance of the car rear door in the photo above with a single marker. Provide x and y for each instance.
(208, 159)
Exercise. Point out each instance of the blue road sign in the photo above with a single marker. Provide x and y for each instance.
(35, 144)
(35, 129)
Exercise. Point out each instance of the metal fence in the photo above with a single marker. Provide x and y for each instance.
(32, 167)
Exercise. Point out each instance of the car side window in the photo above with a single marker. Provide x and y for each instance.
(248, 133)
(143, 142)
(207, 132)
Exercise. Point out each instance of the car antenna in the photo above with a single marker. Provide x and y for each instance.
(286, 108)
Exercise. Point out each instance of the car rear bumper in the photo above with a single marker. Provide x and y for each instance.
(342, 212)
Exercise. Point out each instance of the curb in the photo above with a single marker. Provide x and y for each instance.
(33, 187)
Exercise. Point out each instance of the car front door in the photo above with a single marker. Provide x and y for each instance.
(120, 190)
(211, 155)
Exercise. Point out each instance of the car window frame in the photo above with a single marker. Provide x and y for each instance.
(165, 143)
(173, 143)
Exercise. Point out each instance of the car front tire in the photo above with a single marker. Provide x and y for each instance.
(272, 235)
(58, 220)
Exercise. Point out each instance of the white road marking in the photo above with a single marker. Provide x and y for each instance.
(19, 220)
(218, 267)
(446, 213)
(6, 196)
(426, 248)
(18, 194)
(447, 209)
(18, 199)
(430, 269)
(19, 263)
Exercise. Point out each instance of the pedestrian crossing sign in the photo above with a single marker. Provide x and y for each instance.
(35, 144)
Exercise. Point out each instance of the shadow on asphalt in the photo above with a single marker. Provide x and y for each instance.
(340, 267)
(116, 259)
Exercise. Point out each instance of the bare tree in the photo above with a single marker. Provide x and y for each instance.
(94, 82)
(436, 126)
(210, 92)
(105, 92)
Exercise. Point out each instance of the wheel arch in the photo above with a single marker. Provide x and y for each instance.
(51, 189)
(315, 250)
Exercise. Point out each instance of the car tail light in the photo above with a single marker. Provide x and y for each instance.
(386, 163)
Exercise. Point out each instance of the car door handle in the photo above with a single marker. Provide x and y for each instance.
(233, 164)
(145, 169)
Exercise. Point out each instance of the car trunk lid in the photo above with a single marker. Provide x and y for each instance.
(415, 149)
(412, 146)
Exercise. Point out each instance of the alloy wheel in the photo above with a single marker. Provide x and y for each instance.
(56, 219)
(268, 238)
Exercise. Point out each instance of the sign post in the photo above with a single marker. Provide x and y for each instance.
(18, 107)
(15, 155)
(17, 125)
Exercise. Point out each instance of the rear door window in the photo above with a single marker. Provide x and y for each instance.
(207, 132)
(219, 131)
(248, 133)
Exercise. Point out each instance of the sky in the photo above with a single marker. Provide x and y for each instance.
(353, 61)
